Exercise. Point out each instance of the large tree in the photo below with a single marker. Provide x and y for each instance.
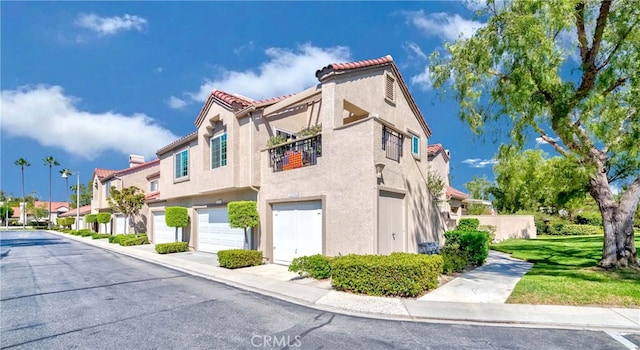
(568, 72)
(51, 162)
(127, 201)
(21, 162)
(86, 195)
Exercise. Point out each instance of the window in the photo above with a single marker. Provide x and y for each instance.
(392, 143)
(389, 92)
(153, 186)
(219, 151)
(285, 135)
(107, 189)
(415, 145)
(182, 164)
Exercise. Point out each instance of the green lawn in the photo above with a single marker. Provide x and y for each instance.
(566, 273)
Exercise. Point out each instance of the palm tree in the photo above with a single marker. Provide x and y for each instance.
(21, 162)
(50, 161)
(66, 172)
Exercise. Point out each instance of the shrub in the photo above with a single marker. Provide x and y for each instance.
(453, 259)
(594, 219)
(174, 247)
(398, 274)
(91, 218)
(142, 239)
(468, 224)
(119, 238)
(100, 235)
(555, 227)
(176, 216)
(476, 245)
(316, 266)
(452, 237)
(235, 258)
(576, 230)
(104, 218)
(84, 233)
(490, 229)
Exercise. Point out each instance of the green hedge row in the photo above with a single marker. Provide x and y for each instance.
(316, 266)
(465, 247)
(468, 224)
(141, 239)
(561, 229)
(174, 247)
(236, 258)
(453, 259)
(398, 274)
(100, 235)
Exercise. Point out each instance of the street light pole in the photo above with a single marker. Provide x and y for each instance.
(66, 175)
(6, 215)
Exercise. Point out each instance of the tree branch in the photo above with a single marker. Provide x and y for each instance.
(552, 142)
(582, 35)
(615, 85)
(618, 44)
(621, 131)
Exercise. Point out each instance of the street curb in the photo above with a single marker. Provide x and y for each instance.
(356, 313)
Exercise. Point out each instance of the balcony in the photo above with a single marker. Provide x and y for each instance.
(296, 154)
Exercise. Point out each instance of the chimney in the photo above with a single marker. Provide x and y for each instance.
(135, 160)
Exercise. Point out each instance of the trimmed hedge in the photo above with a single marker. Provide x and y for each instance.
(576, 230)
(398, 274)
(236, 258)
(476, 244)
(100, 235)
(176, 217)
(104, 218)
(453, 259)
(174, 247)
(91, 218)
(468, 224)
(140, 240)
(316, 266)
(83, 233)
(243, 214)
(119, 238)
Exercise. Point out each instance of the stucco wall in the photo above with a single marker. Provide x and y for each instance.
(508, 226)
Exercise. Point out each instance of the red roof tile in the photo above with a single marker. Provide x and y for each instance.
(432, 150)
(382, 61)
(138, 167)
(100, 173)
(86, 209)
(353, 65)
(453, 193)
(270, 101)
(152, 195)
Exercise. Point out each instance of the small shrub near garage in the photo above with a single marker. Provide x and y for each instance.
(176, 216)
(100, 235)
(468, 224)
(398, 274)
(84, 233)
(236, 258)
(116, 239)
(140, 240)
(174, 247)
(316, 266)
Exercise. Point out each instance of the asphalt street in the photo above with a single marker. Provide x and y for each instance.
(60, 294)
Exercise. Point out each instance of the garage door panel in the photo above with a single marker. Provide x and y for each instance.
(120, 224)
(161, 232)
(297, 230)
(215, 233)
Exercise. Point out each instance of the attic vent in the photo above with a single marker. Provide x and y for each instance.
(389, 88)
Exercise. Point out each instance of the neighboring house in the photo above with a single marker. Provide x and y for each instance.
(57, 209)
(141, 174)
(84, 210)
(451, 200)
(358, 185)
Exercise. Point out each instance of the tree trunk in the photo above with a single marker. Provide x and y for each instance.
(618, 248)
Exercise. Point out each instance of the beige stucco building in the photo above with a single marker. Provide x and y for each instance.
(350, 176)
(141, 174)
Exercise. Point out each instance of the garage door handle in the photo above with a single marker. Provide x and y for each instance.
(394, 236)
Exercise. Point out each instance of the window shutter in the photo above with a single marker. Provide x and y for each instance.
(389, 93)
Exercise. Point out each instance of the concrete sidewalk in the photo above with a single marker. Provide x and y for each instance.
(501, 272)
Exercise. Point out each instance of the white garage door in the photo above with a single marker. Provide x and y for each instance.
(120, 224)
(214, 232)
(80, 224)
(297, 230)
(161, 232)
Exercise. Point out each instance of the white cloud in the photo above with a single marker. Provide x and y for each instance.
(444, 25)
(540, 141)
(286, 71)
(110, 25)
(46, 115)
(480, 163)
(246, 47)
(176, 103)
(416, 50)
(423, 80)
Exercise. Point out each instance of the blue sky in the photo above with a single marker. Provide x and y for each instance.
(90, 83)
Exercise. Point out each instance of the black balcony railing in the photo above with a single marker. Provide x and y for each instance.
(296, 154)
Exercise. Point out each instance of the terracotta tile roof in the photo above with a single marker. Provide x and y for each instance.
(152, 195)
(432, 150)
(382, 61)
(55, 206)
(453, 193)
(16, 212)
(233, 101)
(86, 209)
(270, 101)
(138, 167)
(177, 142)
(353, 65)
(100, 173)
